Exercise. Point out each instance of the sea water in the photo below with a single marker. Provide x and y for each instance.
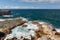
(51, 16)
(48, 15)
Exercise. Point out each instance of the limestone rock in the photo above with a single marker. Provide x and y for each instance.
(9, 24)
(40, 30)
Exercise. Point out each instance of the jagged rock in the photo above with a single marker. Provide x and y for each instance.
(2, 34)
(35, 22)
(13, 38)
(25, 39)
(46, 30)
(24, 25)
(41, 30)
(44, 38)
(2, 38)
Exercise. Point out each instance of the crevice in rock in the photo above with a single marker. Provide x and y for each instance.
(2, 34)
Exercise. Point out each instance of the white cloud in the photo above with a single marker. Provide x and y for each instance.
(18, 7)
(49, 1)
(29, 7)
(9, 7)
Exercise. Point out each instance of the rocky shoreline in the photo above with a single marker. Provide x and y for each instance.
(5, 12)
(28, 30)
(9, 24)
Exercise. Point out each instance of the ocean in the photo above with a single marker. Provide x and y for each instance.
(47, 15)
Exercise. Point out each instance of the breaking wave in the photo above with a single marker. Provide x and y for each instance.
(57, 29)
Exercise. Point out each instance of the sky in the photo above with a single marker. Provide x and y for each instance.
(29, 4)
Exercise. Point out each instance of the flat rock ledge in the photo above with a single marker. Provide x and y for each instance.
(45, 31)
(7, 25)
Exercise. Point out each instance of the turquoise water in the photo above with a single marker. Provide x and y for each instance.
(48, 15)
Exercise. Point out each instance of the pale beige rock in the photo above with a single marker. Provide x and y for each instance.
(9, 24)
(45, 31)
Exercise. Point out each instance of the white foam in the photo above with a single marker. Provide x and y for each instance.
(12, 19)
(57, 29)
(20, 31)
(24, 31)
(31, 26)
(6, 19)
(42, 22)
(24, 18)
(7, 15)
(2, 19)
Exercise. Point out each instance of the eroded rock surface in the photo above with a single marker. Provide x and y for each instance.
(19, 29)
(7, 25)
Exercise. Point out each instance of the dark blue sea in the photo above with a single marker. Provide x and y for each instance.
(47, 15)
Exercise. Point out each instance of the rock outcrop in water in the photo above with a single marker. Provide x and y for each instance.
(28, 30)
(5, 12)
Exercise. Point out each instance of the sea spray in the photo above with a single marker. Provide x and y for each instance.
(57, 29)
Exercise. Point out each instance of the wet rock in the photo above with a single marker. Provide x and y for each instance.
(44, 38)
(2, 34)
(7, 31)
(13, 38)
(57, 33)
(24, 25)
(26, 39)
(1, 38)
(45, 31)
(53, 29)
(35, 22)
(5, 12)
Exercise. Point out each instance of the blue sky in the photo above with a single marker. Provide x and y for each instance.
(29, 4)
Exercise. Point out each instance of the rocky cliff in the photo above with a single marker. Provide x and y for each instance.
(21, 29)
